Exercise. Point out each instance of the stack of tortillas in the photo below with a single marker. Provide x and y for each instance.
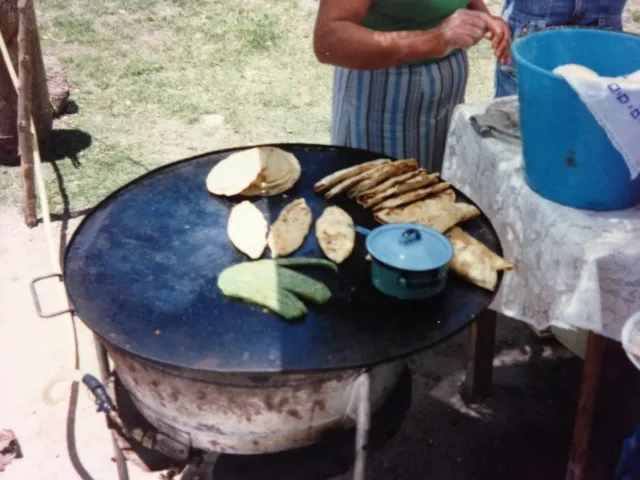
(259, 171)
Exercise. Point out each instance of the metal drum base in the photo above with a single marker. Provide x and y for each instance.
(247, 414)
(326, 459)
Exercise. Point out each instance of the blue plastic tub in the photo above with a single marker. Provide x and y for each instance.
(568, 157)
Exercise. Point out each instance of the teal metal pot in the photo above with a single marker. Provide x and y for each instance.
(408, 261)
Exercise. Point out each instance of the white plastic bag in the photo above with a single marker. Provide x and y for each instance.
(615, 104)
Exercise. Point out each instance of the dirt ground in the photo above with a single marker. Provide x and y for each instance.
(522, 431)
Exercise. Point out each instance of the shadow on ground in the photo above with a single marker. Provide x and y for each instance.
(67, 144)
(522, 432)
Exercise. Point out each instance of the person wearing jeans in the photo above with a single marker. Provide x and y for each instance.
(527, 16)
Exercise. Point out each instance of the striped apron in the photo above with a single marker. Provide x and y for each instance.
(401, 112)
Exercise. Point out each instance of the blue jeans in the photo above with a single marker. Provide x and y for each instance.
(527, 16)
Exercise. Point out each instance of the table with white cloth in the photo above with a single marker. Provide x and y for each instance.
(573, 267)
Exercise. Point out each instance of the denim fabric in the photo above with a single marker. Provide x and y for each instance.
(526, 16)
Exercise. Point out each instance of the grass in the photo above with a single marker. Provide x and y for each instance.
(146, 75)
(635, 16)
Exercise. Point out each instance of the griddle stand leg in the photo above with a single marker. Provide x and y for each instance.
(105, 374)
(482, 340)
(591, 376)
(362, 392)
(200, 468)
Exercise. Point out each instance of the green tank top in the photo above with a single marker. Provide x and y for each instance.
(393, 15)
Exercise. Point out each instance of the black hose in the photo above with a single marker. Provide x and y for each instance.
(102, 398)
(147, 439)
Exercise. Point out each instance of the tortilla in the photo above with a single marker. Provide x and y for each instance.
(413, 184)
(335, 233)
(340, 175)
(346, 184)
(474, 261)
(412, 196)
(393, 169)
(292, 226)
(236, 173)
(439, 212)
(282, 171)
(247, 229)
(389, 183)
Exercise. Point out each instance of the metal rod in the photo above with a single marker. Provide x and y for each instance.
(363, 423)
(105, 374)
(192, 470)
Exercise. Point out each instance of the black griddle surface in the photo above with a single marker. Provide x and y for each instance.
(141, 272)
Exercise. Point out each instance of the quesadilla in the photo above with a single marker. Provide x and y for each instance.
(439, 212)
(292, 226)
(247, 229)
(335, 233)
(408, 194)
(474, 261)
(345, 173)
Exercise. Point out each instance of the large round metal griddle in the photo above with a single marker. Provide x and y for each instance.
(141, 272)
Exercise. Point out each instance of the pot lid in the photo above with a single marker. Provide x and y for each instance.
(409, 247)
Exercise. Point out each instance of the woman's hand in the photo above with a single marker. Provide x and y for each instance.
(465, 28)
(499, 34)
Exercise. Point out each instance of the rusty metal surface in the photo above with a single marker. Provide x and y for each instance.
(246, 414)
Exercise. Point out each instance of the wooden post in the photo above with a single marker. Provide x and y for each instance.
(8, 103)
(24, 115)
(41, 108)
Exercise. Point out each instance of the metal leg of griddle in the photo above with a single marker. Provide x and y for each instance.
(591, 374)
(192, 470)
(482, 340)
(105, 373)
(200, 468)
(363, 423)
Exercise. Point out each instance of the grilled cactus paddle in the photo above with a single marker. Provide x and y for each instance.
(279, 301)
(303, 286)
(306, 262)
(267, 283)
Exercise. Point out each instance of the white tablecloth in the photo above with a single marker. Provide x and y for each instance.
(574, 267)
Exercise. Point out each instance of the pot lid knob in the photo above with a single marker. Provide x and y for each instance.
(410, 235)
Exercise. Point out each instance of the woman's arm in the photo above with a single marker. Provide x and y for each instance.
(340, 39)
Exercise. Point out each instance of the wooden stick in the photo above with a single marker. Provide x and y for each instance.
(25, 137)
